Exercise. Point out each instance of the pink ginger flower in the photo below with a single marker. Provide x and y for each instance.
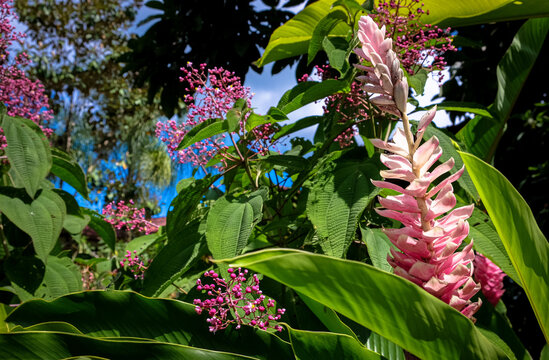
(432, 231)
(237, 300)
(490, 277)
(384, 77)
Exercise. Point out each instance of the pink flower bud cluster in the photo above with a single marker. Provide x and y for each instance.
(239, 297)
(88, 278)
(490, 277)
(214, 93)
(128, 217)
(384, 77)
(347, 107)
(133, 263)
(21, 96)
(433, 230)
(417, 45)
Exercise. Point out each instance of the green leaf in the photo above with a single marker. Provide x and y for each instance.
(298, 125)
(336, 200)
(449, 150)
(184, 204)
(482, 136)
(75, 224)
(337, 49)
(468, 12)
(488, 243)
(142, 243)
(292, 38)
(51, 345)
(273, 116)
(28, 152)
(68, 170)
(116, 314)
(391, 306)
(291, 162)
(325, 345)
(25, 273)
(465, 107)
(41, 218)
(204, 130)
(62, 277)
(175, 258)
(378, 245)
(417, 81)
(103, 229)
(308, 92)
(385, 347)
(229, 226)
(321, 31)
(545, 352)
(523, 240)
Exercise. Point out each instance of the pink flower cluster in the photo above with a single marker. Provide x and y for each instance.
(133, 263)
(237, 296)
(417, 45)
(215, 92)
(433, 231)
(22, 96)
(128, 217)
(490, 277)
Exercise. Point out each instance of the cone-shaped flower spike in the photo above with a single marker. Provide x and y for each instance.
(490, 277)
(385, 76)
(433, 230)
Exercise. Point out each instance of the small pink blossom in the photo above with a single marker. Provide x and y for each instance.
(134, 264)
(237, 300)
(490, 277)
(128, 217)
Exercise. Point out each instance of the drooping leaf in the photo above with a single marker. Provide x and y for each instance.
(486, 241)
(298, 125)
(336, 200)
(185, 203)
(524, 242)
(464, 13)
(101, 227)
(337, 49)
(449, 151)
(229, 226)
(327, 345)
(387, 304)
(378, 245)
(68, 170)
(306, 92)
(464, 107)
(175, 258)
(292, 38)
(116, 314)
(28, 152)
(41, 218)
(482, 135)
(204, 130)
(52, 345)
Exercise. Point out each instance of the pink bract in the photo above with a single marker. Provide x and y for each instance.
(490, 277)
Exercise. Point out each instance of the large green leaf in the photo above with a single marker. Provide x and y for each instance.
(53, 346)
(486, 241)
(336, 200)
(175, 258)
(468, 12)
(204, 130)
(229, 226)
(292, 38)
(326, 345)
(28, 152)
(307, 92)
(482, 135)
(393, 307)
(68, 170)
(62, 277)
(520, 234)
(296, 126)
(378, 245)
(101, 227)
(185, 203)
(115, 314)
(41, 218)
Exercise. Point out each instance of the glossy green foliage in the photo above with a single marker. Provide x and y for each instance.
(428, 328)
(68, 170)
(525, 244)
